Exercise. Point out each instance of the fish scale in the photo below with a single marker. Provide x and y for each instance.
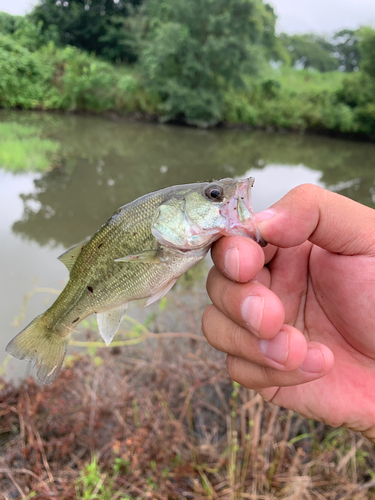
(139, 252)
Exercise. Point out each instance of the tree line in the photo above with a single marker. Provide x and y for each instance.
(202, 62)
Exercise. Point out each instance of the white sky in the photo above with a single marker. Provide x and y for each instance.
(295, 16)
(322, 16)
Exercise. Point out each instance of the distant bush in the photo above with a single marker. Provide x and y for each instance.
(85, 82)
(293, 100)
(70, 79)
(25, 79)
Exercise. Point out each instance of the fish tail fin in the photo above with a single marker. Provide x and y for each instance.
(41, 347)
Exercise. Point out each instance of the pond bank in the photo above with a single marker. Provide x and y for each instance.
(116, 427)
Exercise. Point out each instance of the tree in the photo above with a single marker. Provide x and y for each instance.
(367, 51)
(25, 32)
(192, 51)
(310, 51)
(346, 48)
(97, 26)
(358, 90)
(8, 23)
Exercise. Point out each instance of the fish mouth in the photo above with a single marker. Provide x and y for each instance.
(240, 215)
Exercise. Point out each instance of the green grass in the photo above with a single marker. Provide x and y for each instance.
(22, 148)
(293, 100)
(306, 81)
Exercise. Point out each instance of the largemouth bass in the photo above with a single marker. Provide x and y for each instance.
(138, 253)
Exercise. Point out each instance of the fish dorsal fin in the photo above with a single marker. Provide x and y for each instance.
(109, 322)
(70, 256)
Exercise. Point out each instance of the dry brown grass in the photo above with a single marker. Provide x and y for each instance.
(168, 425)
(160, 419)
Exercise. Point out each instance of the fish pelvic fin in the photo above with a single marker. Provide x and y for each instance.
(109, 322)
(41, 347)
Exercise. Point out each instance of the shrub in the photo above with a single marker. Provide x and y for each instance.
(25, 79)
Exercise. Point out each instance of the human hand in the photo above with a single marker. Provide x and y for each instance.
(297, 318)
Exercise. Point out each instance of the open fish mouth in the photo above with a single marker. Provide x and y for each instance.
(239, 213)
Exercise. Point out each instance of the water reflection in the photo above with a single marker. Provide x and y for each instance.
(104, 165)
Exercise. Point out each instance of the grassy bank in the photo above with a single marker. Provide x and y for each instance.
(23, 149)
(116, 426)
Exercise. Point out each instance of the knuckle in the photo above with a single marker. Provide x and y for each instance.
(268, 376)
(232, 367)
(219, 294)
(307, 191)
(207, 320)
(210, 277)
(235, 336)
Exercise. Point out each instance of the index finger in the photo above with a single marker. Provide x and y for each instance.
(238, 258)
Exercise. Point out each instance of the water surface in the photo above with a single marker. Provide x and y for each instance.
(103, 164)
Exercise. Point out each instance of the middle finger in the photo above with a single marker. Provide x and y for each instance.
(251, 305)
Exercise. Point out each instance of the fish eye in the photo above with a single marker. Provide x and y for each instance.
(214, 193)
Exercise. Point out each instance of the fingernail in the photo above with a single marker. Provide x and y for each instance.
(252, 312)
(232, 263)
(277, 348)
(265, 215)
(313, 362)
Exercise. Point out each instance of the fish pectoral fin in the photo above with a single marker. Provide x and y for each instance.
(70, 256)
(160, 293)
(150, 256)
(109, 322)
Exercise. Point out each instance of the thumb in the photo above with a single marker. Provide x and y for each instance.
(327, 219)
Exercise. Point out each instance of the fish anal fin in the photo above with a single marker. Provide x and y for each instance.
(70, 256)
(109, 322)
(161, 292)
(150, 256)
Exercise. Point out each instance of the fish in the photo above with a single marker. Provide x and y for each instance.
(140, 252)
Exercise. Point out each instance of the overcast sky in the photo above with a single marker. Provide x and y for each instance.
(294, 16)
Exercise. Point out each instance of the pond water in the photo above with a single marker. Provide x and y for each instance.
(102, 164)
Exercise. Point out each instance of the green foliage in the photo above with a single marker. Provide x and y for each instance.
(294, 100)
(192, 51)
(346, 49)
(367, 51)
(200, 62)
(52, 78)
(25, 79)
(22, 148)
(8, 23)
(93, 484)
(25, 32)
(358, 89)
(97, 26)
(87, 83)
(310, 51)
